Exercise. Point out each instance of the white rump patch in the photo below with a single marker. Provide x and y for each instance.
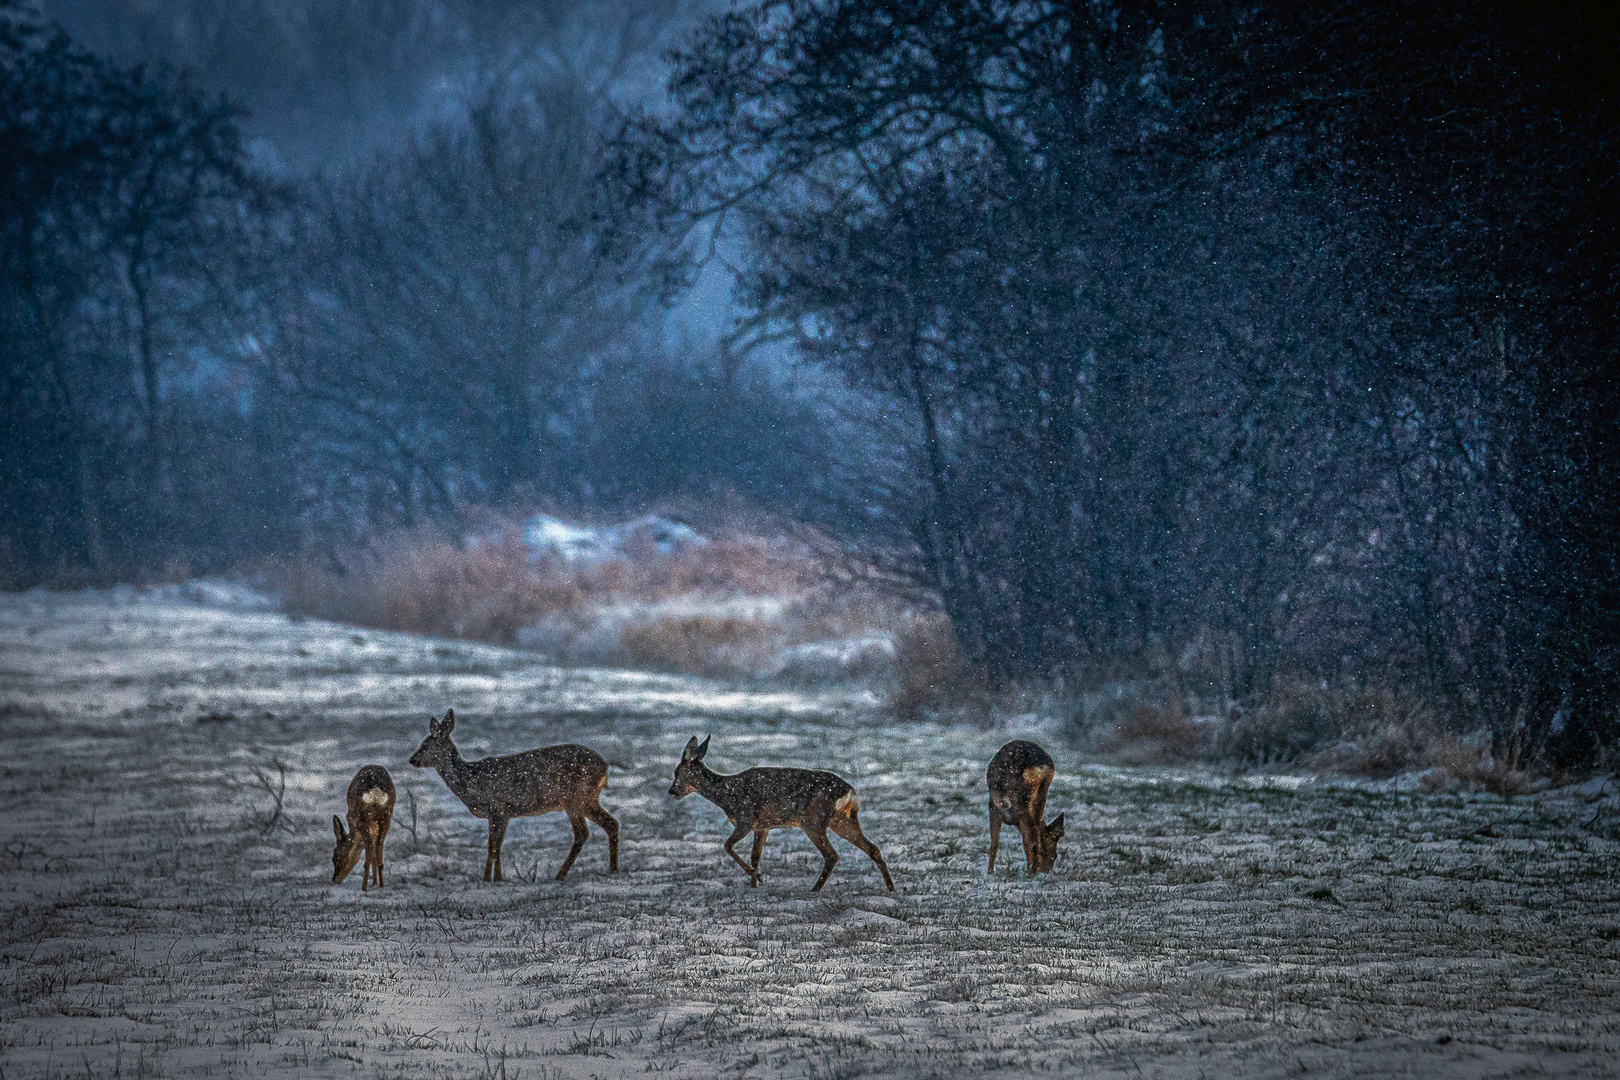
(376, 796)
(1036, 773)
(846, 803)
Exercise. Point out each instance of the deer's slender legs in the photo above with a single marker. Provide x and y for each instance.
(1027, 831)
(995, 838)
(829, 854)
(610, 825)
(497, 833)
(382, 834)
(582, 832)
(737, 834)
(759, 847)
(850, 829)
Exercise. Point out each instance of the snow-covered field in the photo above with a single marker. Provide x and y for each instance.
(158, 920)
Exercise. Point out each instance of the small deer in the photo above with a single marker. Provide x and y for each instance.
(1018, 777)
(760, 800)
(568, 778)
(371, 809)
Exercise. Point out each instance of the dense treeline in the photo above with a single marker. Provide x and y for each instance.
(1244, 344)
(1264, 340)
(205, 365)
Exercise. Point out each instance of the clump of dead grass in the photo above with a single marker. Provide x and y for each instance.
(930, 672)
(423, 583)
(1150, 734)
(1294, 721)
(492, 588)
(700, 644)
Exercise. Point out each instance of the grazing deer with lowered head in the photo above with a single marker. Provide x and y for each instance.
(371, 808)
(1018, 777)
(568, 778)
(759, 800)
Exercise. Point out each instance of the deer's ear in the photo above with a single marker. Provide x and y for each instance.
(448, 723)
(337, 826)
(691, 748)
(1056, 825)
(701, 750)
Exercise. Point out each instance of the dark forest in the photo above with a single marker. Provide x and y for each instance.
(1280, 333)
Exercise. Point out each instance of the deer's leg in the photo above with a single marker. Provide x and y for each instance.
(610, 825)
(850, 829)
(1027, 831)
(382, 834)
(817, 832)
(759, 847)
(995, 838)
(497, 833)
(731, 849)
(582, 832)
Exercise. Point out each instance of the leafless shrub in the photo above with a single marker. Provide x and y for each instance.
(930, 671)
(1158, 734)
(702, 644)
(276, 791)
(1292, 723)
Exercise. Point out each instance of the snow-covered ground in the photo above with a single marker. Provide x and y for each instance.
(155, 920)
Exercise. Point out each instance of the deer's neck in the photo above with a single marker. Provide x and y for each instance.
(724, 791)
(457, 777)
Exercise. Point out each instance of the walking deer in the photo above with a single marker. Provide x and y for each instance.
(1018, 777)
(760, 800)
(568, 778)
(371, 808)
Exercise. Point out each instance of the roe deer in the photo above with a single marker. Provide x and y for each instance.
(568, 778)
(1018, 777)
(760, 800)
(371, 808)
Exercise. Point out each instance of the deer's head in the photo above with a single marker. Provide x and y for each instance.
(687, 773)
(437, 751)
(347, 851)
(1047, 855)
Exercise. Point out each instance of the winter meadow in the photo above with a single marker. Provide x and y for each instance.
(1179, 440)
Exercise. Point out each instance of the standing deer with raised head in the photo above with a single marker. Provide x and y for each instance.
(1018, 777)
(568, 778)
(759, 800)
(371, 809)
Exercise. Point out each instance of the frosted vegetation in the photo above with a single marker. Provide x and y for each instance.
(174, 759)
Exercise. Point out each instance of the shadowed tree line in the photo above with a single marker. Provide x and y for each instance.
(1266, 341)
(1238, 344)
(204, 365)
